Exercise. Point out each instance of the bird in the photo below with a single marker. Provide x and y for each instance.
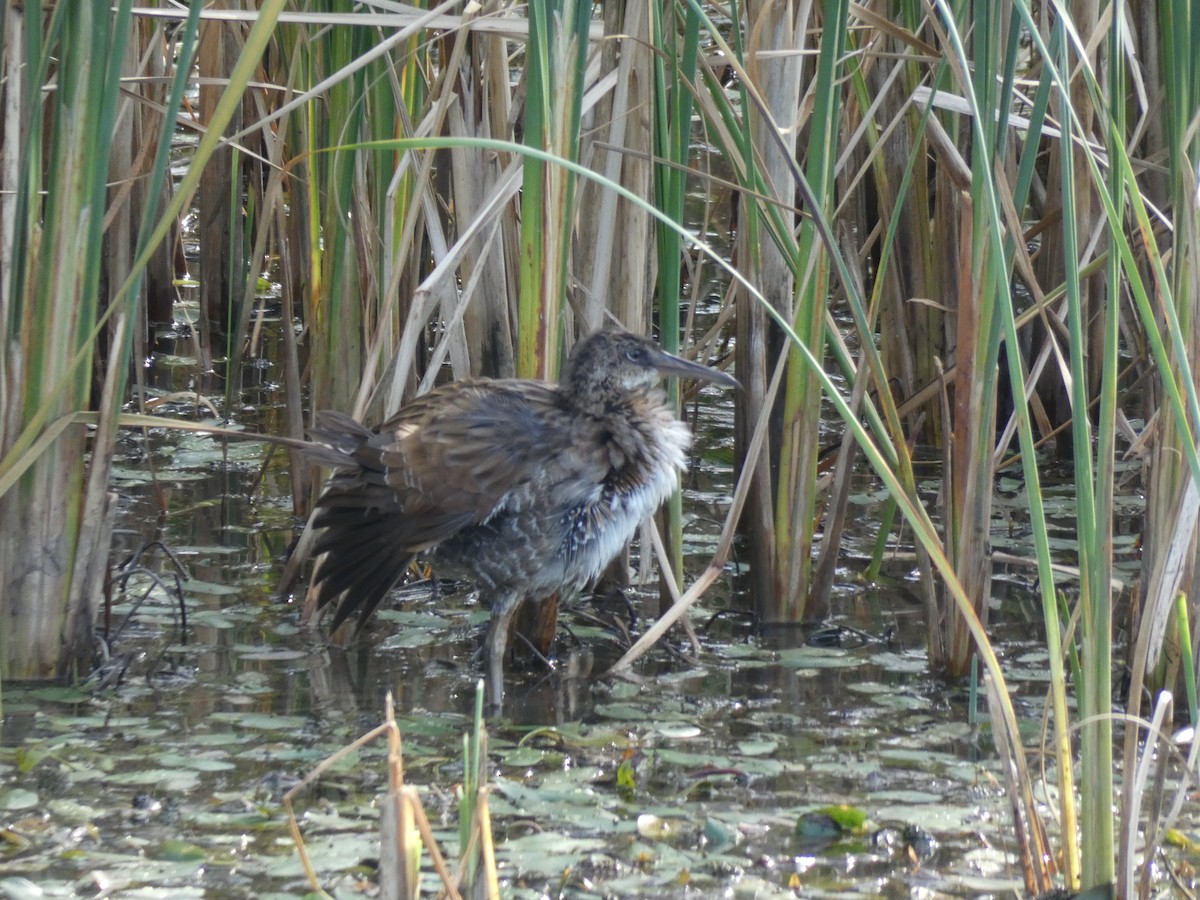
(525, 488)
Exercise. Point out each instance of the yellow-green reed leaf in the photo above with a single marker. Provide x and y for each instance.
(256, 43)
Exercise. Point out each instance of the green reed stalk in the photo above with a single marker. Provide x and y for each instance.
(1170, 514)
(674, 74)
(1094, 537)
(764, 238)
(54, 302)
(795, 500)
(474, 778)
(1187, 662)
(354, 214)
(239, 304)
(774, 213)
(672, 142)
(336, 310)
(882, 460)
(1175, 374)
(1051, 599)
(983, 289)
(924, 250)
(554, 76)
(50, 311)
(989, 230)
(531, 309)
(911, 188)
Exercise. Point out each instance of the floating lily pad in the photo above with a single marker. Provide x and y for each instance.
(758, 747)
(830, 822)
(180, 851)
(196, 762)
(211, 618)
(679, 730)
(15, 798)
(196, 586)
(817, 658)
(50, 693)
(273, 655)
(260, 721)
(163, 779)
(547, 853)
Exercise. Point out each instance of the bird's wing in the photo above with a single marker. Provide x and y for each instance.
(451, 459)
(458, 457)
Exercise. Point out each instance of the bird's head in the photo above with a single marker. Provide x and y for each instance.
(612, 363)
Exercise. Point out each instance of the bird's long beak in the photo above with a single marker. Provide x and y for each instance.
(668, 364)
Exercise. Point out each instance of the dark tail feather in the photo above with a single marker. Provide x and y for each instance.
(359, 565)
(360, 558)
(361, 592)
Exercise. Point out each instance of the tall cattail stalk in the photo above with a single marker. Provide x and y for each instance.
(54, 493)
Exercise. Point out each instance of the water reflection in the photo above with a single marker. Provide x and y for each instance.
(764, 726)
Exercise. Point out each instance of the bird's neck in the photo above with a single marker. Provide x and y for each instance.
(598, 402)
(643, 435)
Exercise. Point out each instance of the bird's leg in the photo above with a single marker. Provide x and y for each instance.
(503, 608)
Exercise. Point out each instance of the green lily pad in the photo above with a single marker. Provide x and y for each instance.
(830, 822)
(180, 851)
(16, 798)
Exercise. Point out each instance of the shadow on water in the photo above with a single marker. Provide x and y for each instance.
(170, 778)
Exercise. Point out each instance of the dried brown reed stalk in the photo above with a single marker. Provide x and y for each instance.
(405, 830)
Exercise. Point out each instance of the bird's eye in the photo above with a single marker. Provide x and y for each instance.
(635, 355)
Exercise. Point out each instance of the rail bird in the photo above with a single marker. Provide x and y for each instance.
(524, 488)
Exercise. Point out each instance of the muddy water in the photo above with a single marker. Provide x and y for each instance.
(168, 780)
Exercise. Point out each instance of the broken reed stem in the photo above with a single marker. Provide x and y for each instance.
(411, 810)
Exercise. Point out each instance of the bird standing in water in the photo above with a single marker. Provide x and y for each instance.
(523, 487)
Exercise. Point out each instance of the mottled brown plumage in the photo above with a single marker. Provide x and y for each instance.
(523, 487)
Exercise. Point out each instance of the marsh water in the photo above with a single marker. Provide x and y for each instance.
(164, 777)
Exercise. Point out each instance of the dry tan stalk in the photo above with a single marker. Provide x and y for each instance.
(411, 811)
(508, 26)
(612, 257)
(486, 325)
(1037, 861)
(716, 566)
(435, 854)
(484, 817)
(1155, 756)
(293, 823)
(837, 507)
(424, 298)
(444, 278)
(668, 579)
(220, 233)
